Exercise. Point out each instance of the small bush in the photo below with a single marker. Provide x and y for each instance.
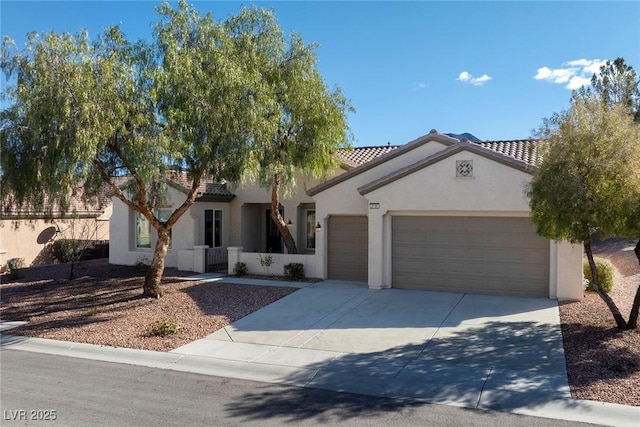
(14, 265)
(164, 327)
(605, 274)
(266, 262)
(240, 269)
(63, 250)
(294, 271)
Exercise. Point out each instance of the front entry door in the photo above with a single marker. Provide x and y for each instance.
(274, 238)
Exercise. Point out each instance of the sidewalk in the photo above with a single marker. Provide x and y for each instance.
(309, 352)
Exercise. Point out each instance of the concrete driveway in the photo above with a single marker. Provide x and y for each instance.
(476, 351)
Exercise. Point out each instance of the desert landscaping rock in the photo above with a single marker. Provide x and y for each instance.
(103, 306)
(603, 363)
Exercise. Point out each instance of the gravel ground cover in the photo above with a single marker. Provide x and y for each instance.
(603, 363)
(103, 306)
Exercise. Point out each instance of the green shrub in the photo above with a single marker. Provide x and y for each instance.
(605, 274)
(63, 250)
(164, 327)
(294, 271)
(240, 269)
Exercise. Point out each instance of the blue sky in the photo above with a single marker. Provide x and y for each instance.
(494, 69)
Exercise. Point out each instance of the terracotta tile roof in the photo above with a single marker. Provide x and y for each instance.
(208, 187)
(361, 155)
(525, 150)
(77, 206)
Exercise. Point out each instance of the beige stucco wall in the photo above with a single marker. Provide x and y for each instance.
(28, 239)
(344, 198)
(122, 248)
(251, 232)
(566, 271)
(493, 186)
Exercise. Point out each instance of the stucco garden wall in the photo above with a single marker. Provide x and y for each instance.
(28, 239)
(252, 260)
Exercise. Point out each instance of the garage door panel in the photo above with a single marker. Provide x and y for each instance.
(470, 254)
(348, 248)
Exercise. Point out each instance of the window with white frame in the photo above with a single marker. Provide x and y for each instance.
(310, 239)
(213, 228)
(143, 232)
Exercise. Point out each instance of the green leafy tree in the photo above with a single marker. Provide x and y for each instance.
(305, 122)
(617, 83)
(95, 111)
(588, 184)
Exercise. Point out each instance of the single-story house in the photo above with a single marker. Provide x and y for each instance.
(436, 213)
(26, 233)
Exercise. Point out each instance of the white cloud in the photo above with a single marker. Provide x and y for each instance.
(466, 77)
(576, 82)
(573, 74)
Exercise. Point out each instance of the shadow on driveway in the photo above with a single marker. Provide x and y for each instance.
(515, 367)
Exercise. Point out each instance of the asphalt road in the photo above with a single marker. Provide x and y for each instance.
(47, 390)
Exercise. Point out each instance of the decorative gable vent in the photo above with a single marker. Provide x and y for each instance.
(464, 168)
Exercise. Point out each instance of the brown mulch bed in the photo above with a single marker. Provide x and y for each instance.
(603, 362)
(104, 305)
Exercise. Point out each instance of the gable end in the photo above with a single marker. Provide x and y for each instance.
(447, 152)
(433, 135)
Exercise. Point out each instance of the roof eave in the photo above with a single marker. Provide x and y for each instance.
(226, 198)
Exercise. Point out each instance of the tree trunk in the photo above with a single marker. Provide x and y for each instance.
(152, 282)
(289, 242)
(633, 316)
(620, 322)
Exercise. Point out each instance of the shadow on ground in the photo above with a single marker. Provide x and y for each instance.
(299, 404)
(597, 359)
(494, 366)
(222, 299)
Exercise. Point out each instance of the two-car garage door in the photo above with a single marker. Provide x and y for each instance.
(494, 255)
(469, 254)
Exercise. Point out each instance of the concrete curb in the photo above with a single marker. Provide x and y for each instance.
(373, 385)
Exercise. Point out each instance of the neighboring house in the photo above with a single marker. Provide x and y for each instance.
(436, 213)
(25, 233)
